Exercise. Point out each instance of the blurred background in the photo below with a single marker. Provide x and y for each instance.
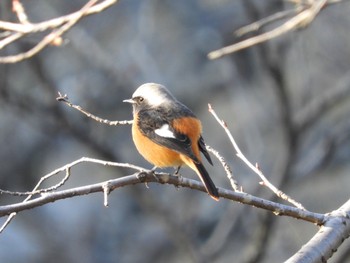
(286, 103)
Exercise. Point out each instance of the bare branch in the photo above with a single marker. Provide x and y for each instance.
(7, 222)
(148, 176)
(65, 168)
(18, 8)
(305, 15)
(227, 168)
(11, 37)
(255, 168)
(64, 98)
(56, 22)
(58, 26)
(267, 20)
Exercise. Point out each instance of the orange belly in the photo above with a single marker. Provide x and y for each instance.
(155, 154)
(161, 156)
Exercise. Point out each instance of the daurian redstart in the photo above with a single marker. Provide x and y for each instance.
(167, 133)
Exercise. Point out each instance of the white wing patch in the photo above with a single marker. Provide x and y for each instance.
(165, 131)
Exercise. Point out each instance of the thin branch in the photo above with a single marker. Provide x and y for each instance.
(12, 37)
(302, 19)
(8, 221)
(18, 8)
(267, 20)
(255, 168)
(64, 98)
(67, 168)
(39, 191)
(227, 168)
(36, 190)
(58, 26)
(55, 22)
(49, 38)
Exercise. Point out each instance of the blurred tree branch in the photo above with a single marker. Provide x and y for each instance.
(302, 14)
(11, 32)
(321, 104)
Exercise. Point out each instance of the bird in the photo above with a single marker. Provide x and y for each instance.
(167, 133)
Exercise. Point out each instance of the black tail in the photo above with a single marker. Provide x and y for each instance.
(208, 183)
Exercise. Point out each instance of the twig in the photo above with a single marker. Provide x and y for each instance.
(255, 168)
(49, 38)
(55, 22)
(18, 8)
(106, 192)
(267, 20)
(7, 222)
(58, 26)
(64, 98)
(66, 168)
(227, 168)
(39, 191)
(304, 17)
(9, 39)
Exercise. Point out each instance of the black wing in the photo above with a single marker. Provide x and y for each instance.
(202, 148)
(150, 121)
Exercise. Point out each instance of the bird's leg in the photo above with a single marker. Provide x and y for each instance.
(177, 170)
(154, 174)
(176, 173)
(142, 176)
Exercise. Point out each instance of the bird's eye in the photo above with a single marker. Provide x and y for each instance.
(141, 99)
